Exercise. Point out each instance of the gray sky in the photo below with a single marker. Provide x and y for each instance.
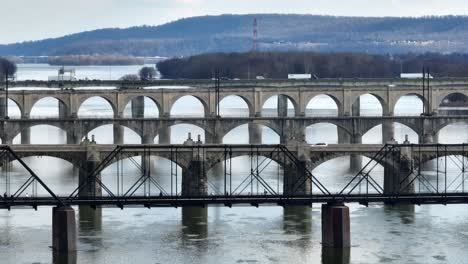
(38, 19)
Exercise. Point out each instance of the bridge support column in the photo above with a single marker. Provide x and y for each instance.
(63, 111)
(118, 134)
(397, 172)
(355, 161)
(138, 107)
(26, 136)
(90, 187)
(388, 131)
(282, 106)
(165, 135)
(428, 136)
(336, 232)
(194, 179)
(3, 103)
(195, 219)
(295, 181)
(255, 134)
(63, 229)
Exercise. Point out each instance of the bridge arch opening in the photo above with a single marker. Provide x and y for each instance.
(188, 106)
(14, 111)
(335, 173)
(178, 134)
(242, 135)
(49, 107)
(374, 135)
(96, 107)
(59, 175)
(159, 169)
(453, 133)
(409, 105)
(322, 133)
(279, 106)
(42, 135)
(234, 106)
(141, 107)
(105, 135)
(269, 170)
(454, 104)
(322, 105)
(368, 105)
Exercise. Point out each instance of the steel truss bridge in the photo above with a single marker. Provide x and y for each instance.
(417, 174)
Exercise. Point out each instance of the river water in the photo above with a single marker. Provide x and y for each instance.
(379, 234)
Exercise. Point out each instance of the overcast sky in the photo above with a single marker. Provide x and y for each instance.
(36, 19)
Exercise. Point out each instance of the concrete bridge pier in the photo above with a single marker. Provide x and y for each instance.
(165, 135)
(428, 135)
(295, 181)
(388, 131)
(90, 187)
(118, 134)
(138, 107)
(336, 232)
(355, 161)
(397, 172)
(255, 133)
(63, 230)
(26, 136)
(194, 178)
(63, 111)
(282, 106)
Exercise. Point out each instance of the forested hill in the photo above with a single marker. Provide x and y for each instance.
(233, 33)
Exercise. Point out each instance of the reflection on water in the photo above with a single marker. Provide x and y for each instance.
(336, 255)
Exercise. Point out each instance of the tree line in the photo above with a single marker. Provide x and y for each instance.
(277, 65)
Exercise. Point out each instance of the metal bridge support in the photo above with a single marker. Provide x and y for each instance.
(138, 107)
(194, 179)
(282, 106)
(255, 133)
(336, 232)
(63, 229)
(3, 103)
(295, 181)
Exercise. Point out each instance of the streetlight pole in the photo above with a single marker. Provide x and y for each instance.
(6, 93)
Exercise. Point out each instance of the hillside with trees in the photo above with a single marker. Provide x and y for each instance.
(233, 33)
(277, 65)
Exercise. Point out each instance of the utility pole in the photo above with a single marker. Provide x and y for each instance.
(6, 92)
(217, 84)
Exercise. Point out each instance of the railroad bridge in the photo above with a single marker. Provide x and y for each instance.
(345, 93)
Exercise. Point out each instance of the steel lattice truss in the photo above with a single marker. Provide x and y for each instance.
(429, 173)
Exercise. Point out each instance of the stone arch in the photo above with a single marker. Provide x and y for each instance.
(206, 135)
(382, 102)
(325, 125)
(16, 105)
(319, 159)
(245, 125)
(456, 136)
(309, 102)
(63, 107)
(105, 138)
(290, 99)
(202, 101)
(83, 100)
(248, 103)
(416, 94)
(458, 100)
(128, 100)
(32, 134)
(71, 159)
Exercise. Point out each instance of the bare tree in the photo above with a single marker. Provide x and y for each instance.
(147, 73)
(7, 68)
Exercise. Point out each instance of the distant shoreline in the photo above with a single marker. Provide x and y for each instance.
(87, 60)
